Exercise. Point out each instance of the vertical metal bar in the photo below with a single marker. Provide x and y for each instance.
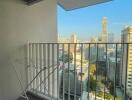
(48, 68)
(31, 63)
(58, 85)
(96, 71)
(63, 72)
(105, 68)
(75, 71)
(122, 57)
(38, 66)
(41, 64)
(88, 71)
(69, 72)
(34, 65)
(53, 79)
(127, 46)
(81, 69)
(28, 64)
(115, 73)
(44, 57)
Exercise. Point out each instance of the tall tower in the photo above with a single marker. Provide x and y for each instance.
(104, 34)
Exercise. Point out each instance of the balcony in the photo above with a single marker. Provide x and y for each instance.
(77, 71)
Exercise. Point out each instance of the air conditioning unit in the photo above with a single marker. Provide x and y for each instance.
(30, 2)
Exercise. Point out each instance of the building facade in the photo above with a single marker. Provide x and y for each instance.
(126, 60)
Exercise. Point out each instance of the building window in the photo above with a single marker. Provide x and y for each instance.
(129, 82)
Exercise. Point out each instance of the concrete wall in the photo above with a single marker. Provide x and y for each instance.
(20, 24)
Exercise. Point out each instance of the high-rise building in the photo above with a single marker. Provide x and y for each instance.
(126, 60)
(110, 40)
(104, 34)
(73, 38)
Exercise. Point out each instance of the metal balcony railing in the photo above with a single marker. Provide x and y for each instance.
(80, 71)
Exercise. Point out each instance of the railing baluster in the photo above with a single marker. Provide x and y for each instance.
(53, 79)
(63, 70)
(122, 63)
(81, 69)
(75, 71)
(105, 68)
(37, 65)
(44, 56)
(28, 65)
(88, 70)
(96, 70)
(125, 90)
(41, 63)
(115, 72)
(69, 72)
(48, 68)
(31, 62)
(58, 85)
(34, 65)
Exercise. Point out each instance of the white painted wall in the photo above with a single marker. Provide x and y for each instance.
(20, 24)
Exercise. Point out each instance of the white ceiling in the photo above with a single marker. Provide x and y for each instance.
(75, 4)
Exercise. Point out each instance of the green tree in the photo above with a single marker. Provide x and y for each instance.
(118, 98)
(66, 57)
(92, 83)
(111, 87)
(92, 69)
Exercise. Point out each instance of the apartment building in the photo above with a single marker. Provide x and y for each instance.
(126, 60)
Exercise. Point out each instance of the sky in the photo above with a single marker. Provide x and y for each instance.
(86, 22)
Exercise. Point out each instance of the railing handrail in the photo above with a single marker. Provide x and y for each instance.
(86, 43)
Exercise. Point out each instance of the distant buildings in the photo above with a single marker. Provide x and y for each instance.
(93, 53)
(110, 40)
(126, 60)
(73, 38)
(113, 68)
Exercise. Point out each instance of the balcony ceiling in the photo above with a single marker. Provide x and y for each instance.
(75, 4)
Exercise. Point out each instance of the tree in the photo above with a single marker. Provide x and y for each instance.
(93, 69)
(118, 98)
(66, 57)
(111, 87)
(92, 83)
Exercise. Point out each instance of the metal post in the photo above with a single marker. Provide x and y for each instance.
(75, 72)
(96, 71)
(105, 69)
(48, 68)
(126, 71)
(88, 71)
(58, 85)
(81, 69)
(69, 72)
(53, 78)
(115, 74)
(63, 72)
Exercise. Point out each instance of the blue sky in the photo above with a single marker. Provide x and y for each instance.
(86, 22)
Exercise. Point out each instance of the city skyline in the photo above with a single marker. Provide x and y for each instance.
(87, 24)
